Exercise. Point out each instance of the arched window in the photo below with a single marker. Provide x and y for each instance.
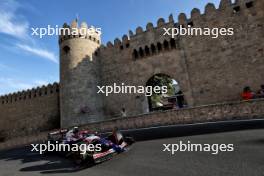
(166, 45)
(147, 52)
(153, 49)
(135, 54)
(172, 43)
(159, 46)
(66, 49)
(141, 52)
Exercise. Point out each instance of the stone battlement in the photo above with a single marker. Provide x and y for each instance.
(207, 70)
(225, 10)
(29, 94)
(84, 32)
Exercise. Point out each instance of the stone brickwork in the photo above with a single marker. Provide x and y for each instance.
(29, 112)
(206, 113)
(208, 71)
(23, 141)
(218, 112)
(79, 76)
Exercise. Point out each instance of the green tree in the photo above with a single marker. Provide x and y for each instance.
(160, 80)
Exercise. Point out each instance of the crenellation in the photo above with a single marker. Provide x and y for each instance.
(117, 46)
(209, 14)
(23, 95)
(139, 30)
(203, 66)
(171, 19)
(33, 93)
(38, 91)
(42, 91)
(19, 95)
(101, 49)
(130, 32)
(95, 37)
(117, 43)
(160, 22)
(30, 93)
(74, 24)
(195, 13)
(210, 9)
(225, 4)
(125, 39)
(149, 26)
(109, 44)
(182, 19)
(125, 42)
(56, 87)
(84, 25)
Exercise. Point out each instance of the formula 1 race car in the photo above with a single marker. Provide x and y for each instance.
(92, 147)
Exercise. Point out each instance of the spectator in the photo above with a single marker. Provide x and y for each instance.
(261, 91)
(123, 112)
(180, 99)
(247, 94)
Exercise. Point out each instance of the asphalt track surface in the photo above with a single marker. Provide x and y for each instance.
(146, 158)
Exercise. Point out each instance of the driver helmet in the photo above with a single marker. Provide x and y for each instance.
(75, 130)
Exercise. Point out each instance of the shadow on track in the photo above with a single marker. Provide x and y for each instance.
(45, 164)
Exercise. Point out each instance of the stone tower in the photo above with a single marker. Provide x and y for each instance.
(79, 75)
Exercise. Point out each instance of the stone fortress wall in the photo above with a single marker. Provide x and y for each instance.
(29, 112)
(208, 70)
(241, 111)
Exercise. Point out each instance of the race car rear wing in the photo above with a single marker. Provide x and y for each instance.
(57, 135)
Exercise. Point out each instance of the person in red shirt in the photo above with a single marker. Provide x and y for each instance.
(247, 94)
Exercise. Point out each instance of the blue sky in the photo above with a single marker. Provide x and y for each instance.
(27, 61)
